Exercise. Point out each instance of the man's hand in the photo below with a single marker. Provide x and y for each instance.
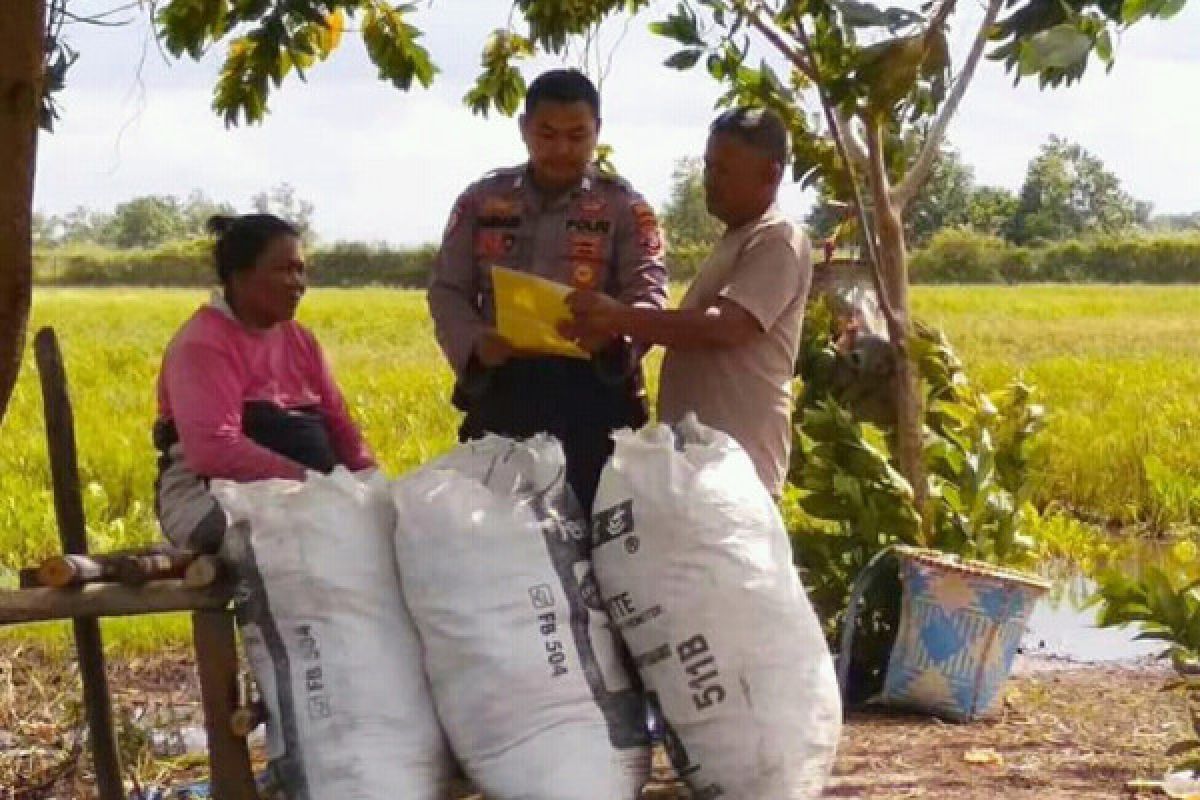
(596, 314)
(492, 349)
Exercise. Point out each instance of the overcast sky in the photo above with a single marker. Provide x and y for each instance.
(381, 165)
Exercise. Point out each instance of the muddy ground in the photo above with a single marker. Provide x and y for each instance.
(1064, 733)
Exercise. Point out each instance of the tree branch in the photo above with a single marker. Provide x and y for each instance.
(907, 189)
(839, 141)
(854, 145)
(753, 13)
(943, 13)
(877, 181)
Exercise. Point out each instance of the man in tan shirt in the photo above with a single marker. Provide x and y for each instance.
(733, 342)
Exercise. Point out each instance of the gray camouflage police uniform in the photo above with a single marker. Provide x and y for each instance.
(600, 235)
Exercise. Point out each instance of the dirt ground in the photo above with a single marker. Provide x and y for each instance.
(1083, 733)
(1063, 733)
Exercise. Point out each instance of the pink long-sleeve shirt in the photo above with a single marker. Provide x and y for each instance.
(215, 365)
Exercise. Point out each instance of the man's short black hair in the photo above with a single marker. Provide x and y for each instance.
(562, 86)
(759, 128)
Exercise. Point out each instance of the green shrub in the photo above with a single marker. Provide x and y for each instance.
(182, 263)
(953, 255)
(189, 263)
(850, 502)
(957, 255)
(357, 264)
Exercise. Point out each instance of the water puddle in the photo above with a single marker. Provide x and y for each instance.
(1062, 630)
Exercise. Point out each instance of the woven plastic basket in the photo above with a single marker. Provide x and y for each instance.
(960, 624)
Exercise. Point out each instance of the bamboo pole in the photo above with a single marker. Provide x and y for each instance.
(132, 568)
(72, 569)
(109, 600)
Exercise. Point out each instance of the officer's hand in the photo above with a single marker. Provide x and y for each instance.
(492, 349)
(577, 332)
(593, 344)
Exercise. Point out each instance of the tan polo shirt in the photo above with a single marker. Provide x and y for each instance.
(746, 391)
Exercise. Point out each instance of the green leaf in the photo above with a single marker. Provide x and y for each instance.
(863, 15)
(824, 506)
(889, 69)
(1170, 8)
(680, 25)
(1061, 47)
(849, 488)
(684, 59)
(188, 26)
(1133, 10)
(716, 66)
(392, 47)
(1104, 47)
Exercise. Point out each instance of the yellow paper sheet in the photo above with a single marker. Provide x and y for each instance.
(529, 310)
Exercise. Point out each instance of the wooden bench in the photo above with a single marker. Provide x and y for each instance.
(213, 628)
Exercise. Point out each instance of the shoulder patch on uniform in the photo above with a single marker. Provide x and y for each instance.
(498, 173)
(649, 235)
(456, 217)
(644, 215)
(613, 179)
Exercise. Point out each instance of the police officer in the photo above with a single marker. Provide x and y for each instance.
(556, 217)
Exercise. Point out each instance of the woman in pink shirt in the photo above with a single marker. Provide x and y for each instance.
(245, 393)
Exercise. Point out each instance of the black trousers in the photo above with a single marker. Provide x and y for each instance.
(578, 402)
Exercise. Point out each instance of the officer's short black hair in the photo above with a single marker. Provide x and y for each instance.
(562, 86)
(759, 128)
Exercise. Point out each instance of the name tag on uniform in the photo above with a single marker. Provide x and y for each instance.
(589, 225)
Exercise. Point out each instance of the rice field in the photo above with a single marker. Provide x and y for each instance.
(1119, 371)
(1117, 367)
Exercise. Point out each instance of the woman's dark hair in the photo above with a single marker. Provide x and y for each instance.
(242, 239)
(562, 86)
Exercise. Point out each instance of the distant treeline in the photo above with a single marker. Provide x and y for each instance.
(952, 256)
(189, 263)
(963, 256)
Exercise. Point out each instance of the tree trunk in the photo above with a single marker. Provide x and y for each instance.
(893, 262)
(22, 29)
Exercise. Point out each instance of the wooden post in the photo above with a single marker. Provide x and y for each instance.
(72, 529)
(216, 657)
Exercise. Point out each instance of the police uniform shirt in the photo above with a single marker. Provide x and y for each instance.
(600, 235)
